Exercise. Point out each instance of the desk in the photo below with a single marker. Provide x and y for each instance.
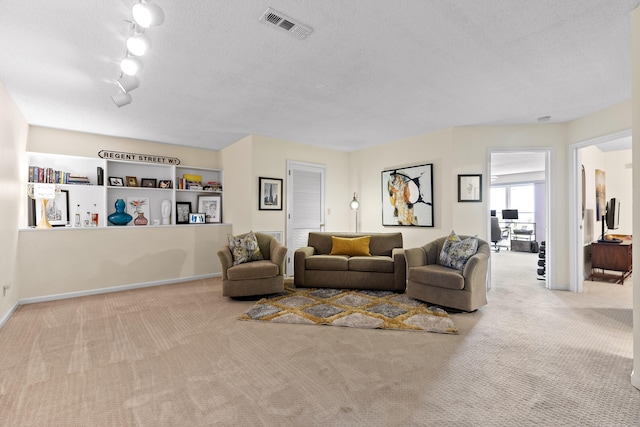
(523, 235)
(611, 256)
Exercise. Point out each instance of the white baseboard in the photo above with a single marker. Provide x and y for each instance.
(9, 313)
(77, 294)
(635, 379)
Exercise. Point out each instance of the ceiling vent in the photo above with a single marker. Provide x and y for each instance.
(282, 21)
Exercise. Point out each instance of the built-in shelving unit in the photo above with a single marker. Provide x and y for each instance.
(94, 191)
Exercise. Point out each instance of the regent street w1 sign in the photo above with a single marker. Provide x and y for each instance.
(134, 157)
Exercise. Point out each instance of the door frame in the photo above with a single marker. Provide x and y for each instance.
(294, 164)
(548, 151)
(576, 252)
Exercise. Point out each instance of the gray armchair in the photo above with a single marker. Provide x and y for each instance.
(431, 282)
(255, 277)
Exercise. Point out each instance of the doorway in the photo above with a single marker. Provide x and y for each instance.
(520, 185)
(584, 226)
(305, 205)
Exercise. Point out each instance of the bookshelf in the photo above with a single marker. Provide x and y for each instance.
(94, 184)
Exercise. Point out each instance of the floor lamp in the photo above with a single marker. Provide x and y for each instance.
(355, 205)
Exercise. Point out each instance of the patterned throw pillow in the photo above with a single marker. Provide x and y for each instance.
(244, 249)
(456, 252)
(451, 238)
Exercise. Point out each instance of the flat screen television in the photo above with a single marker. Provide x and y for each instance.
(509, 213)
(613, 214)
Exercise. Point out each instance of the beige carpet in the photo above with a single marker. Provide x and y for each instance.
(176, 355)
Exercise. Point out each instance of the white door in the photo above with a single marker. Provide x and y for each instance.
(305, 205)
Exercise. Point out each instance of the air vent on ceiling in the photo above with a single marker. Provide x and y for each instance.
(282, 21)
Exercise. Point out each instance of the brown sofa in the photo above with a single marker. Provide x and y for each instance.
(385, 269)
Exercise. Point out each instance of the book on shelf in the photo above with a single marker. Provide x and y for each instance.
(192, 177)
(42, 175)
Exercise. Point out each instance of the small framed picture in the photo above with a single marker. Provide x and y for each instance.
(470, 188)
(148, 182)
(211, 206)
(183, 209)
(57, 210)
(270, 194)
(132, 181)
(116, 181)
(196, 218)
(165, 183)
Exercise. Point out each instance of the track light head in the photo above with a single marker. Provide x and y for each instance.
(131, 65)
(128, 83)
(138, 44)
(147, 14)
(121, 99)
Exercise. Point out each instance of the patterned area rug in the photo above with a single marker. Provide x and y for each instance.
(352, 308)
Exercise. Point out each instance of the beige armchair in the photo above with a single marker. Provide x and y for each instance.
(431, 282)
(255, 277)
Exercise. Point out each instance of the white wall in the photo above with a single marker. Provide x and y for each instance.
(260, 156)
(13, 140)
(618, 180)
(366, 166)
(635, 95)
(619, 177)
(463, 151)
(58, 261)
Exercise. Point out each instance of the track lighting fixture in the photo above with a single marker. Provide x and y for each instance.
(147, 14)
(121, 99)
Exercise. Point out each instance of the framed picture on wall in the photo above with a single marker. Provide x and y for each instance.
(469, 188)
(407, 196)
(270, 194)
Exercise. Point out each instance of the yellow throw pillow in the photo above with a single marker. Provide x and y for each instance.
(355, 246)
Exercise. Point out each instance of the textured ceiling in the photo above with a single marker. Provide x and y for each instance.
(370, 72)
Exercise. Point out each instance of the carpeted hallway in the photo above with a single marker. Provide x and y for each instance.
(175, 355)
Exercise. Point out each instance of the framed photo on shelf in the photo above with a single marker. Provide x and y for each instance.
(116, 181)
(211, 206)
(470, 188)
(196, 218)
(183, 209)
(270, 194)
(57, 210)
(148, 182)
(165, 183)
(132, 181)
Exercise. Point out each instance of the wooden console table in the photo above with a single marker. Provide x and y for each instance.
(611, 256)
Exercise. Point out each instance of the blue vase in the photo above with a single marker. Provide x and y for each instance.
(120, 217)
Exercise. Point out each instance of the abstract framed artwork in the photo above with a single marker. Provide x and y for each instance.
(601, 195)
(270, 194)
(407, 196)
(469, 188)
